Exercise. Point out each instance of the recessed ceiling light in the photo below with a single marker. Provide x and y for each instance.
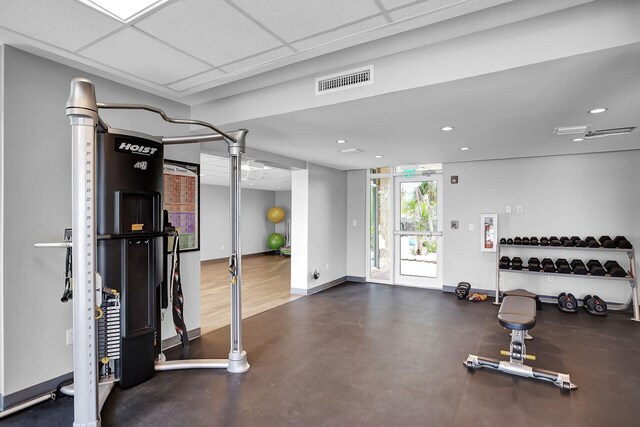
(378, 156)
(464, 148)
(351, 150)
(598, 110)
(578, 139)
(124, 10)
(341, 141)
(251, 183)
(447, 128)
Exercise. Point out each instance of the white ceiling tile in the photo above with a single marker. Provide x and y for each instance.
(258, 59)
(211, 30)
(350, 30)
(294, 19)
(67, 24)
(196, 80)
(138, 54)
(422, 8)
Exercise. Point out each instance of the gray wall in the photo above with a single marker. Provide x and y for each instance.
(356, 218)
(37, 208)
(327, 224)
(214, 221)
(2, 48)
(283, 200)
(591, 194)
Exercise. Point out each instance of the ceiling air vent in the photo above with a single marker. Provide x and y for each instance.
(344, 80)
(569, 130)
(600, 133)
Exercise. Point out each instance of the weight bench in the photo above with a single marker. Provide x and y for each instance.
(518, 313)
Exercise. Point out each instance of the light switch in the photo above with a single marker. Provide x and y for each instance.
(355, 222)
(508, 209)
(472, 227)
(519, 209)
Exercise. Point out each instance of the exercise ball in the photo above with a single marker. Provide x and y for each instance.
(275, 215)
(275, 241)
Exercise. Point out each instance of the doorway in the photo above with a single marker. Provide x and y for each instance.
(417, 236)
(405, 226)
(266, 269)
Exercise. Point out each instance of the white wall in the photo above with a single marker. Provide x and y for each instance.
(327, 224)
(590, 194)
(37, 208)
(300, 231)
(283, 200)
(214, 221)
(356, 222)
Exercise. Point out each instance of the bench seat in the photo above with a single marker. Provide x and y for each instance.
(518, 313)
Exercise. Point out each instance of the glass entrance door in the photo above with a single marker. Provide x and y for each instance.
(418, 231)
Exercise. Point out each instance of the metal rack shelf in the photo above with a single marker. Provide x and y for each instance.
(582, 276)
(567, 248)
(631, 278)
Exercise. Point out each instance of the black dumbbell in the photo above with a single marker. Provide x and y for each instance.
(614, 269)
(534, 264)
(505, 263)
(574, 240)
(517, 241)
(509, 241)
(607, 242)
(562, 266)
(503, 241)
(548, 266)
(622, 242)
(595, 268)
(516, 263)
(580, 244)
(567, 303)
(525, 241)
(544, 241)
(533, 241)
(594, 305)
(554, 241)
(578, 267)
(591, 242)
(565, 241)
(462, 290)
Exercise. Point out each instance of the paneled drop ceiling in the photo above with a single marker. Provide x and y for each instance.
(184, 47)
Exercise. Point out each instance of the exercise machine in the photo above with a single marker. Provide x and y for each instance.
(518, 313)
(119, 251)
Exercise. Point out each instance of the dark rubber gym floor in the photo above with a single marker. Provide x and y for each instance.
(377, 355)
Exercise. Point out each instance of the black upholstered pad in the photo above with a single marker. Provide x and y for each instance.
(519, 293)
(517, 313)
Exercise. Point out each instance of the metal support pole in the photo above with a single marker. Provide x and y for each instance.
(634, 286)
(497, 297)
(237, 356)
(83, 114)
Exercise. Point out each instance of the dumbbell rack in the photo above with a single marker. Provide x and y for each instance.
(630, 278)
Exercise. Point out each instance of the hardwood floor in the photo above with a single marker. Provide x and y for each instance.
(266, 284)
